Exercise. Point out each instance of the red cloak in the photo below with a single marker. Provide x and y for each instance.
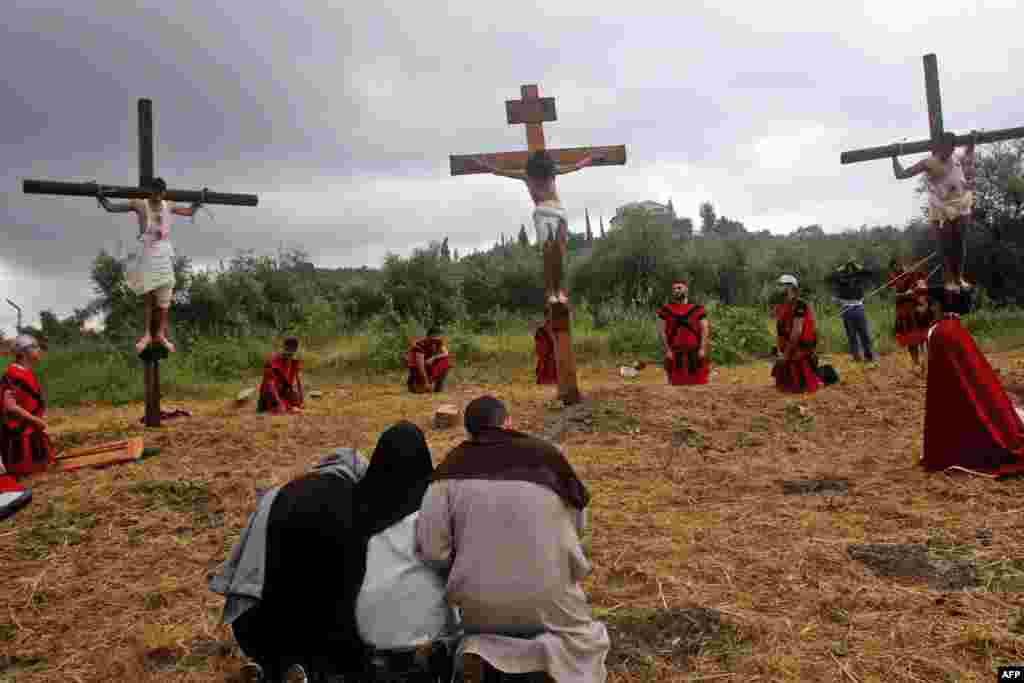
(547, 367)
(799, 374)
(682, 328)
(969, 419)
(282, 387)
(25, 448)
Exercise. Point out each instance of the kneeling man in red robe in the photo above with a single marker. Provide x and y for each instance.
(796, 370)
(685, 334)
(969, 419)
(281, 390)
(24, 444)
(544, 345)
(428, 362)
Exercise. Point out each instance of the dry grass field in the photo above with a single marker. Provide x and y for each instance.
(104, 574)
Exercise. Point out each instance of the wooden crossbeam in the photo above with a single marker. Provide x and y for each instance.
(935, 126)
(918, 146)
(462, 164)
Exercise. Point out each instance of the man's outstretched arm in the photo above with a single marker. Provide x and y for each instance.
(581, 164)
(486, 165)
(904, 173)
(121, 207)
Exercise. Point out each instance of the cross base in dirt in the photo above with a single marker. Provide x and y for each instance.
(154, 353)
(533, 110)
(931, 83)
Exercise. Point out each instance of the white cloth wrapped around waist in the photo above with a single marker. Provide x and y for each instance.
(547, 218)
(950, 208)
(152, 267)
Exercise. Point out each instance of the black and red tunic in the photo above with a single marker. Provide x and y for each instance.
(683, 332)
(24, 447)
(799, 373)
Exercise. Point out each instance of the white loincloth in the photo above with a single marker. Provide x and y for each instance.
(940, 211)
(151, 267)
(547, 218)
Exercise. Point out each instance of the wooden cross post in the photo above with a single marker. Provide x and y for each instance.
(533, 110)
(153, 353)
(931, 84)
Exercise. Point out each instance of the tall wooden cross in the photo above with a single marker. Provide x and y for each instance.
(153, 353)
(533, 110)
(931, 85)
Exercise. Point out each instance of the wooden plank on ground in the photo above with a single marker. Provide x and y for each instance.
(112, 453)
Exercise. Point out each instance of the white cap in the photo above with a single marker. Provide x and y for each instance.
(789, 280)
(24, 342)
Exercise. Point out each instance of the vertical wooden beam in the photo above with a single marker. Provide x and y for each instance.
(145, 142)
(931, 89)
(152, 377)
(534, 131)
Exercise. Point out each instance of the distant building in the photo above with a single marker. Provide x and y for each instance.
(682, 228)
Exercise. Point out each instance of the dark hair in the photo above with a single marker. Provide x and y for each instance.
(540, 165)
(952, 302)
(948, 138)
(291, 343)
(484, 412)
(158, 185)
(434, 331)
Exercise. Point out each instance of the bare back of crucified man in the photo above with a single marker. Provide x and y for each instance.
(549, 216)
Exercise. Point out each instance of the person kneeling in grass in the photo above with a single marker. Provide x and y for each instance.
(281, 390)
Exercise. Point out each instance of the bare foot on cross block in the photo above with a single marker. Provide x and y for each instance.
(143, 342)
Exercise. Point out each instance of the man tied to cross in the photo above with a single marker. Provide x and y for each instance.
(549, 216)
(950, 182)
(153, 273)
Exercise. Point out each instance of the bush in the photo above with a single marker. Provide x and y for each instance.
(738, 333)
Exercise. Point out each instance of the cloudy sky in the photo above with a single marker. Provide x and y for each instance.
(341, 116)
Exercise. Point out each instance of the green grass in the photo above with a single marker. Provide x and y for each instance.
(217, 367)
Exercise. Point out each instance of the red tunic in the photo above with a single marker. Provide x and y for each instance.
(24, 447)
(799, 374)
(280, 375)
(428, 346)
(684, 338)
(547, 366)
(913, 317)
(969, 419)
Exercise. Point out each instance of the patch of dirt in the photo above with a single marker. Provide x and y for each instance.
(589, 416)
(911, 561)
(675, 635)
(824, 487)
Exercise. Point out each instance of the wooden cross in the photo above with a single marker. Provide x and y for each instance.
(153, 353)
(533, 110)
(931, 85)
